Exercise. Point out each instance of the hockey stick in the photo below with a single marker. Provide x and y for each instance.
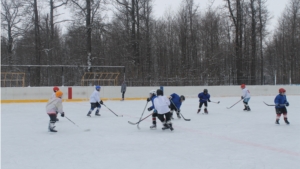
(215, 102)
(75, 123)
(234, 104)
(139, 120)
(142, 115)
(112, 111)
(180, 112)
(274, 104)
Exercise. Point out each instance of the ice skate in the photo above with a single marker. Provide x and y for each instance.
(286, 121)
(166, 126)
(277, 121)
(248, 108)
(171, 127)
(89, 114)
(205, 111)
(97, 113)
(198, 111)
(153, 127)
(51, 127)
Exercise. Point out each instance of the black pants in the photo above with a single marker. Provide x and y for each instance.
(201, 103)
(52, 118)
(281, 110)
(123, 93)
(172, 107)
(164, 118)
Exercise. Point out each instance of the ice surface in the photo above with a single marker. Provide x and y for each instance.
(224, 139)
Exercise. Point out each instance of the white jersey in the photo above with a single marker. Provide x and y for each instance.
(246, 93)
(95, 97)
(52, 96)
(54, 105)
(161, 104)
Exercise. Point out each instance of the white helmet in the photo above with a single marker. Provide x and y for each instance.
(152, 92)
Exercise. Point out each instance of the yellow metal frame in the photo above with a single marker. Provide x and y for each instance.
(98, 77)
(12, 77)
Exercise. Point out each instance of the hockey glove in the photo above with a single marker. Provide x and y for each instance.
(149, 109)
(101, 102)
(62, 114)
(148, 99)
(287, 104)
(242, 97)
(208, 100)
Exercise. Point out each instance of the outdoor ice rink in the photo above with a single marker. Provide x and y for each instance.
(224, 139)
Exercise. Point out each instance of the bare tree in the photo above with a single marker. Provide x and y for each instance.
(11, 22)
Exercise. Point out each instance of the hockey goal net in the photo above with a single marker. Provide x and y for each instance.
(100, 78)
(12, 79)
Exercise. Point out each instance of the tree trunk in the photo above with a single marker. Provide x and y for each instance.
(37, 43)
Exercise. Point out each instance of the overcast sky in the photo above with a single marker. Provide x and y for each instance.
(275, 8)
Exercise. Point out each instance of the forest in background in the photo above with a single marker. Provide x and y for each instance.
(225, 45)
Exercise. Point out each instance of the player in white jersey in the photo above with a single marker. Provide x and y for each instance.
(95, 101)
(53, 107)
(161, 104)
(246, 96)
(55, 89)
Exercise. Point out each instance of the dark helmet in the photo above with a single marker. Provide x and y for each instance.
(205, 91)
(159, 92)
(182, 97)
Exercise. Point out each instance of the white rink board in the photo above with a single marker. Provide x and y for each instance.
(113, 92)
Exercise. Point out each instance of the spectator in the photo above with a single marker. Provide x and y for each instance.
(123, 90)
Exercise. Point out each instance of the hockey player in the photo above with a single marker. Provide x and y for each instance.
(281, 102)
(53, 106)
(55, 89)
(161, 104)
(95, 102)
(152, 96)
(246, 96)
(175, 105)
(204, 97)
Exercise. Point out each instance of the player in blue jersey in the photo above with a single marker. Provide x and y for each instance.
(204, 97)
(152, 96)
(175, 105)
(281, 102)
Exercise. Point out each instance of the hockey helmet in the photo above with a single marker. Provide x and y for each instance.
(59, 93)
(152, 92)
(55, 89)
(281, 90)
(159, 92)
(98, 88)
(205, 91)
(182, 98)
(243, 86)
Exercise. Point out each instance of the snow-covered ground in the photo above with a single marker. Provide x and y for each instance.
(224, 139)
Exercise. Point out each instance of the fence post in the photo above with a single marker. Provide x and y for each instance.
(62, 76)
(29, 75)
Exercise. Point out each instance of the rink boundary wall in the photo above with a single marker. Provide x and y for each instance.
(79, 94)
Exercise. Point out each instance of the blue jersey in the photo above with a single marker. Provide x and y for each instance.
(203, 97)
(176, 100)
(152, 98)
(280, 99)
